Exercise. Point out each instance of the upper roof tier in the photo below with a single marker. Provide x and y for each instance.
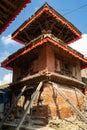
(46, 20)
(9, 9)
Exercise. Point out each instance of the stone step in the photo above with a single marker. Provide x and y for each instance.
(38, 120)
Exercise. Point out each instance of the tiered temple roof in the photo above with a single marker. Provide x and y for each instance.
(46, 25)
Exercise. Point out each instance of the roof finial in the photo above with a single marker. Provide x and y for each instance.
(46, 4)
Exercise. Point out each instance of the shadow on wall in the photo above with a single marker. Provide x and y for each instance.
(56, 102)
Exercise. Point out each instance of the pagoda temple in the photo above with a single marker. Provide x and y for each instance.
(46, 57)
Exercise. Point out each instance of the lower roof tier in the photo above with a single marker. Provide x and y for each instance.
(41, 40)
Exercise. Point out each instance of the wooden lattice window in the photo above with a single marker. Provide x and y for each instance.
(66, 68)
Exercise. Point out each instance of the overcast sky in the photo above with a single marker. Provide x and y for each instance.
(74, 11)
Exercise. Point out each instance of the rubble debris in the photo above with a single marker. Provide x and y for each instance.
(72, 123)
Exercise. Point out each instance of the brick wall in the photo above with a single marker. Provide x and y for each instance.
(57, 106)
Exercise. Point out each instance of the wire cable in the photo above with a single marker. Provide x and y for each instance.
(75, 9)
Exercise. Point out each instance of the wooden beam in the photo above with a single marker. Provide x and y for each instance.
(22, 39)
(10, 3)
(40, 25)
(57, 29)
(61, 32)
(52, 25)
(3, 15)
(29, 105)
(4, 8)
(27, 36)
(47, 25)
(80, 92)
(13, 105)
(68, 39)
(68, 100)
(1, 22)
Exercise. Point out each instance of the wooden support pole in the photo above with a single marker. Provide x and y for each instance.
(29, 105)
(85, 98)
(13, 105)
(71, 104)
(80, 92)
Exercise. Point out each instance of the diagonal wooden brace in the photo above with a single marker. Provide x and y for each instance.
(29, 105)
(13, 105)
(71, 104)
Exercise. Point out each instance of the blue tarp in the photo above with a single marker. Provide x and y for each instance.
(4, 96)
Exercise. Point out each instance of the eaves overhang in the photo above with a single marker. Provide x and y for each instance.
(26, 28)
(26, 49)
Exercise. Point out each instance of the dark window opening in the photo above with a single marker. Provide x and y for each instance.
(29, 67)
(66, 68)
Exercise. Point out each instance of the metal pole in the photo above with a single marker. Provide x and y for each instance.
(29, 105)
(14, 103)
